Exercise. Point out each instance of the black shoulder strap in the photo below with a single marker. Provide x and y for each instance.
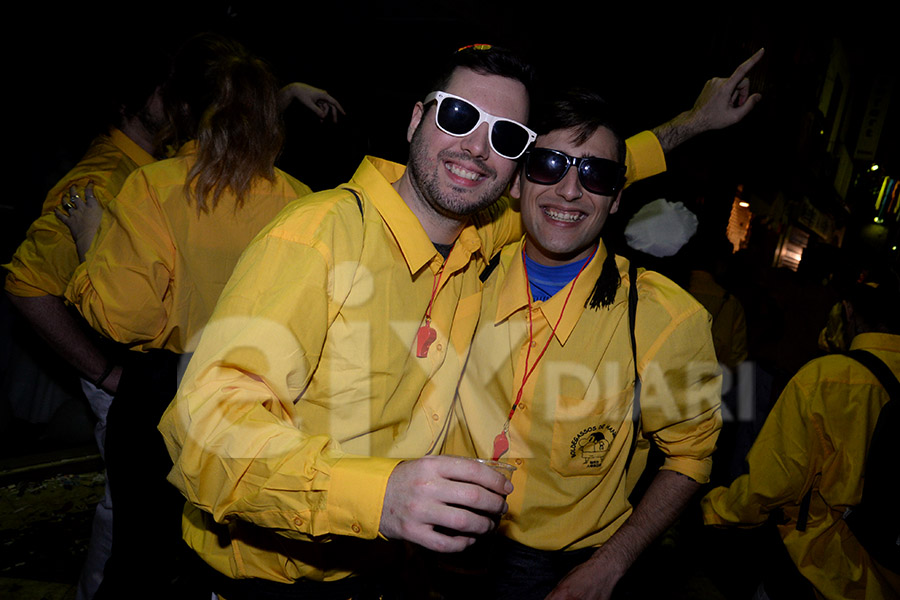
(632, 315)
(358, 200)
(495, 260)
(888, 381)
(879, 370)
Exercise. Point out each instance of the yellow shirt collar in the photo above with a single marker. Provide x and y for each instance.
(377, 175)
(876, 341)
(514, 294)
(124, 143)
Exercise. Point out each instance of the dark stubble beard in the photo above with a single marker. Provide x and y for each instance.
(453, 202)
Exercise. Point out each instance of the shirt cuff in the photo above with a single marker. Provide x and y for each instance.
(356, 495)
(24, 289)
(696, 469)
(710, 516)
(645, 157)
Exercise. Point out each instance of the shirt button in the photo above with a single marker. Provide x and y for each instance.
(439, 347)
(298, 522)
(523, 407)
(534, 344)
(435, 417)
(356, 528)
(519, 461)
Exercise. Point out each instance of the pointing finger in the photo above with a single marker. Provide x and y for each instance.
(745, 67)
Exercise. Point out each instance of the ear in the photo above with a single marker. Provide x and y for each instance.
(417, 114)
(515, 188)
(615, 203)
(848, 311)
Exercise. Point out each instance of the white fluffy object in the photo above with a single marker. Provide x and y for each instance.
(661, 228)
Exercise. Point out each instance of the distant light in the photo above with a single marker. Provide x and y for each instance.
(894, 248)
(879, 220)
(873, 168)
(744, 204)
(821, 132)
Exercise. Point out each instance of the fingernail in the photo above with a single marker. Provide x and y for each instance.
(508, 487)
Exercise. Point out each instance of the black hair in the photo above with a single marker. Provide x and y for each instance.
(876, 300)
(585, 111)
(582, 110)
(139, 81)
(486, 60)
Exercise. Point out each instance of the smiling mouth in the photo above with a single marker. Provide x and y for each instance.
(564, 216)
(463, 173)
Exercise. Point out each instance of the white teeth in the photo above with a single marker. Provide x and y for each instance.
(464, 173)
(563, 216)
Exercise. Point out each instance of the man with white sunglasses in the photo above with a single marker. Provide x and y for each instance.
(330, 362)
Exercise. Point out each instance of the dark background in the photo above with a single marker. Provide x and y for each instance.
(652, 62)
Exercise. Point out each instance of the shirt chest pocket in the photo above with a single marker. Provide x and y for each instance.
(589, 434)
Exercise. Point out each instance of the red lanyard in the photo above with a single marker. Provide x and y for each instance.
(501, 442)
(426, 334)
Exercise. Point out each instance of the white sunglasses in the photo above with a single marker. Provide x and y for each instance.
(458, 117)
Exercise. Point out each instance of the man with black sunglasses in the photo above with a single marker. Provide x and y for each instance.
(330, 363)
(550, 382)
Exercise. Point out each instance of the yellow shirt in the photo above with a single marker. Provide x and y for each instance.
(644, 157)
(306, 390)
(156, 268)
(816, 437)
(43, 264)
(729, 327)
(571, 433)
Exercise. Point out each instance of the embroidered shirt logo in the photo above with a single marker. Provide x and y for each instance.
(592, 444)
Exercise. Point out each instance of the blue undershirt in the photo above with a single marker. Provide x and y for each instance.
(546, 281)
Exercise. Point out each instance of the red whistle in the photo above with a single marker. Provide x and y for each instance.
(501, 445)
(424, 338)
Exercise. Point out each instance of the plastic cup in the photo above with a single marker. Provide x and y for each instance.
(503, 468)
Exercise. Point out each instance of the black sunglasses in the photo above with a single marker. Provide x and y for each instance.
(458, 117)
(597, 175)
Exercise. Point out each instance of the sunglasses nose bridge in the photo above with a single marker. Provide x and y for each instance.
(477, 142)
(569, 187)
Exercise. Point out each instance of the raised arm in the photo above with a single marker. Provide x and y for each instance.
(320, 102)
(722, 102)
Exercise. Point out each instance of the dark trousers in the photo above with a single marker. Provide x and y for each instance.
(782, 580)
(351, 588)
(524, 573)
(147, 549)
(494, 568)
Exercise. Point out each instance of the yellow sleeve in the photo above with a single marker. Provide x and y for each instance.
(680, 379)
(780, 470)
(644, 157)
(121, 287)
(500, 224)
(235, 433)
(44, 262)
